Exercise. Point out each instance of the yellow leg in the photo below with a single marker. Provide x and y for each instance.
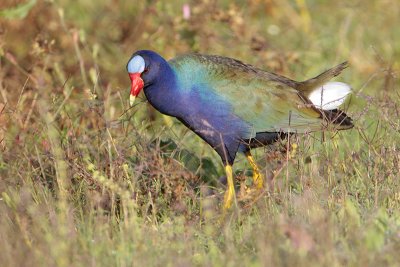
(257, 177)
(230, 191)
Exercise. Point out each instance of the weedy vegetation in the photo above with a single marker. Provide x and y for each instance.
(87, 181)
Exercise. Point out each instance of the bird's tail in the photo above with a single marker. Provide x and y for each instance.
(338, 119)
(324, 94)
(328, 96)
(309, 85)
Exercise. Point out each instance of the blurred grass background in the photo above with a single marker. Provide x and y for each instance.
(85, 181)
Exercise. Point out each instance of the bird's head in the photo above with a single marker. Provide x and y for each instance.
(143, 68)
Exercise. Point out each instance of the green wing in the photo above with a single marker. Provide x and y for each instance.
(266, 101)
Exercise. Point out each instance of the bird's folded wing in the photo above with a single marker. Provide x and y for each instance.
(265, 101)
(269, 105)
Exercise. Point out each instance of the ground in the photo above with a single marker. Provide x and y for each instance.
(86, 181)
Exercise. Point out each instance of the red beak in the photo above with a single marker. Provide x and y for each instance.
(137, 84)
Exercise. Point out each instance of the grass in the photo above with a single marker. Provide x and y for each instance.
(85, 181)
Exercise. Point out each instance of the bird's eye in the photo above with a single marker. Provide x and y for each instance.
(145, 70)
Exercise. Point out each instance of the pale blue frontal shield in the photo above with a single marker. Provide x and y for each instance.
(136, 65)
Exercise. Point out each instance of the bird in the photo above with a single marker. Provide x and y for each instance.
(234, 106)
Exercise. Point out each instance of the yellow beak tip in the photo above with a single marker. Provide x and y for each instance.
(131, 100)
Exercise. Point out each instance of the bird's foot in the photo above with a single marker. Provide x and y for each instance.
(228, 199)
(258, 180)
(253, 192)
(230, 190)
